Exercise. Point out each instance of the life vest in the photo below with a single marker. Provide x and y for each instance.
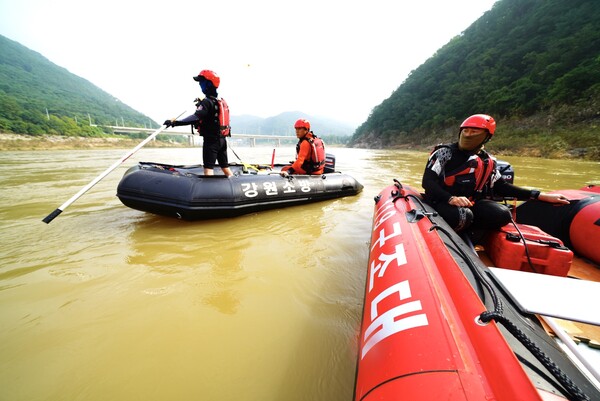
(224, 126)
(317, 153)
(219, 119)
(472, 176)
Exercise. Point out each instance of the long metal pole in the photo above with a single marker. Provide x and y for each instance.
(96, 180)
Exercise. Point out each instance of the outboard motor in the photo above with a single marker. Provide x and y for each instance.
(329, 163)
(508, 174)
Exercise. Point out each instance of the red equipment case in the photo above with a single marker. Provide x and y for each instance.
(548, 254)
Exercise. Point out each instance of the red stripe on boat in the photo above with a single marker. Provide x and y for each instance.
(419, 338)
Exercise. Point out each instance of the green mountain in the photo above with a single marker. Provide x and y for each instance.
(38, 97)
(335, 132)
(534, 65)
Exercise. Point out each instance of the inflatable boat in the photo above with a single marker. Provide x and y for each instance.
(439, 324)
(186, 193)
(577, 224)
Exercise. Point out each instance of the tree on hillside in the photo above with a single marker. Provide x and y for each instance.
(38, 97)
(520, 58)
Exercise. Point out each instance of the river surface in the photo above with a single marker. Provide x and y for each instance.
(109, 303)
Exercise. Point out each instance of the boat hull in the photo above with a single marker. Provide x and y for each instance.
(422, 336)
(184, 192)
(577, 224)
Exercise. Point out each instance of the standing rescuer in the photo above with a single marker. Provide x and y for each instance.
(206, 119)
(310, 152)
(461, 178)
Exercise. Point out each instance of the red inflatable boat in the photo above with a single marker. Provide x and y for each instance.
(577, 224)
(438, 326)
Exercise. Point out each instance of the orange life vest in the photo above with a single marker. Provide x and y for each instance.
(224, 126)
(218, 122)
(317, 153)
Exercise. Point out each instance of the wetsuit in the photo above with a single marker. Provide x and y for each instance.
(206, 117)
(452, 172)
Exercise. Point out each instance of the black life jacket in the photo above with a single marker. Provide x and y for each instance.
(473, 177)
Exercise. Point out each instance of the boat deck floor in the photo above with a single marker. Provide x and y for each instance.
(590, 334)
(580, 332)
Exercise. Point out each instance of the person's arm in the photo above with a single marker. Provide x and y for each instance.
(433, 189)
(435, 192)
(191, 119)
(202, 109)
(507, 189)
(553, 198)
(303, 155)
(434, 170)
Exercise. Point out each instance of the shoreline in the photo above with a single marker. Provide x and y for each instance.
(15, 142)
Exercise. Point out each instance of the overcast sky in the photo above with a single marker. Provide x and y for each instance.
(331, 58)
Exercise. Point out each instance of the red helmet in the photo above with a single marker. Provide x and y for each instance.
(302, 123)
(210, 76)
(480, 121)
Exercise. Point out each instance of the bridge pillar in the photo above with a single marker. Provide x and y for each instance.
(253, 143)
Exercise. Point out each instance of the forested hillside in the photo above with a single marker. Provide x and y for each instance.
(38, 97)
(532, 64)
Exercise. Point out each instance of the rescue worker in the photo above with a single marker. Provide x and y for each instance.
(206, 118)
(461, 178)
(310, 152)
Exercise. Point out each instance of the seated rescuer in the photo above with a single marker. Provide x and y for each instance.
(310, 152)
(206, 118)
(461, 178)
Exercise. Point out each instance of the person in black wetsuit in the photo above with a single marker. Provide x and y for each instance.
(206, 118)
(461, 178)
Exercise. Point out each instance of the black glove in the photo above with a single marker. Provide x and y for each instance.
(169, 123)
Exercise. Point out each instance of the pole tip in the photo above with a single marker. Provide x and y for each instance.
(52, 216)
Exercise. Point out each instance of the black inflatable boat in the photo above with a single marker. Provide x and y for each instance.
(184, 192)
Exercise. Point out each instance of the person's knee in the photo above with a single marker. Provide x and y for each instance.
(503, 217)
(493, 215)
(465, 219)
(459, 218)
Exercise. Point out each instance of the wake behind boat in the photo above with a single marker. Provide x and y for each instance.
(185, 192)
(439, 324)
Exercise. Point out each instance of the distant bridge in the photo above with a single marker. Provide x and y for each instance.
(174, 131)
